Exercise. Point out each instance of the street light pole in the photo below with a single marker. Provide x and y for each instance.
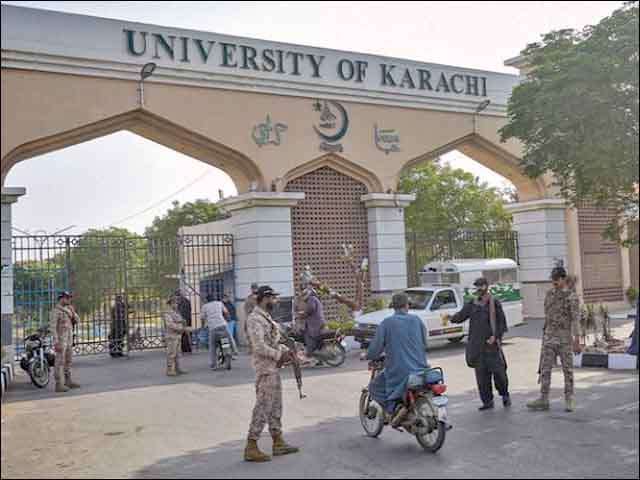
(146, 71)
(479, 108)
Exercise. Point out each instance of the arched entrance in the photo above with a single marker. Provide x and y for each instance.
(239, 167)
(112, 267)
(331, 215)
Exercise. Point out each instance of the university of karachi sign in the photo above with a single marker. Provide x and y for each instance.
(241, 58)
(106, 48)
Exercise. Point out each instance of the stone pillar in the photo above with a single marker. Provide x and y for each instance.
(262, 239)
(387, 248)
(542, 240)
(9, 197)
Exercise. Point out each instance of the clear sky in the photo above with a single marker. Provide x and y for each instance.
(126, 180)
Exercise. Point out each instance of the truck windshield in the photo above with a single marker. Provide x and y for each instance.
(419, 300)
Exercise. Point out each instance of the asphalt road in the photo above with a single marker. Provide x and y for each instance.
(129, 420)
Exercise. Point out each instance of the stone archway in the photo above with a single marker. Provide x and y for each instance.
(242, 170)
(492, 156)
(339, 164)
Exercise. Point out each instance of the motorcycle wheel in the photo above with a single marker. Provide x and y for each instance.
(336, 355)
(373, 420)
(433, 440)
(39, 376)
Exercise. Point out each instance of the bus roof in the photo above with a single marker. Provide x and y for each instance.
(470, 265)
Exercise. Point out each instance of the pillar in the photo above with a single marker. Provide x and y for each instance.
(542, 227)
(9, 197)
(262, 239)
(387, 247)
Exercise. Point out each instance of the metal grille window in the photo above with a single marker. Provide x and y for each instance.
(601, 258)
(331, 215)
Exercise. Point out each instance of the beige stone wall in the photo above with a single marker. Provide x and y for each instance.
(42, 112)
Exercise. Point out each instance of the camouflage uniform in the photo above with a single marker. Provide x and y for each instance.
(61, 320)
(249, 304)
(264, 335)
(561, 307)
(175, 326)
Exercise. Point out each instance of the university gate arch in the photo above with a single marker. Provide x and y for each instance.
(222, 99)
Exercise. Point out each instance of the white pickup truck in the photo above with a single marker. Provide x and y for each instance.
(435, 303)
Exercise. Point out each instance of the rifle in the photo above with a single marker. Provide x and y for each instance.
(290, 343)
(540, 365)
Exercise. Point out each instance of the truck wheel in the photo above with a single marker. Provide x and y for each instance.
(456, 340)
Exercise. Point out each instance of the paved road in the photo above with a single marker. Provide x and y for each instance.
(131, 421)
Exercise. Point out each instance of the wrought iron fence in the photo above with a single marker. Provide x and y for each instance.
(423, 248)
(142, 271)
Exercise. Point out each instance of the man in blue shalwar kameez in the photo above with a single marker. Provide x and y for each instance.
(403, 340)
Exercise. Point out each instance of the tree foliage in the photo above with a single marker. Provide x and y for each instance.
(97, 264)
(577, 114)
(185, 215)
(451, 200)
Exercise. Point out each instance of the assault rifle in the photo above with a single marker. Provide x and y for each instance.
(290, 343)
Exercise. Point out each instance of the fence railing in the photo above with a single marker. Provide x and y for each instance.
(423, 248)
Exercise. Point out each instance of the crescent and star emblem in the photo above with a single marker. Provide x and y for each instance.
(333, 125)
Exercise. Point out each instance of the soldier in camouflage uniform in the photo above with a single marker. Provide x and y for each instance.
(175, 327)
(560, 334)
(268, 357)
(61, 321)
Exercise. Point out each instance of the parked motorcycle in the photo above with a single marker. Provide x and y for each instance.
(425, 403)
(38, 358)
(333, 351)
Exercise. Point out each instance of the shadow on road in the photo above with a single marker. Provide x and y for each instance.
(495, 444)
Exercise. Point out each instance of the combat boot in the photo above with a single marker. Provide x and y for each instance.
(541, 403)
(253, 454)
(61, 388)
(570, 404)
(280, 447)
(70, 384)
(171, 372)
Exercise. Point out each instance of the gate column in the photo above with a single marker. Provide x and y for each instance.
(387, 246)
(544, 229)
(9, 197)
(263, 249)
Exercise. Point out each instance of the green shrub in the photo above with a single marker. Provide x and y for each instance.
(632, 295)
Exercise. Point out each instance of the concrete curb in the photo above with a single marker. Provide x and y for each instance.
(611, 361)
(8, 375)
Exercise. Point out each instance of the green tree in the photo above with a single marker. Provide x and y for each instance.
(454, 215)
(163, 241)
(99, 262)
(577, 114)
(451, 200)
(185, 215)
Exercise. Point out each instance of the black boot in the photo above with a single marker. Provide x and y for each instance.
(486, 406)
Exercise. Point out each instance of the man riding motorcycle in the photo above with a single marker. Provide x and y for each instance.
(402, 338)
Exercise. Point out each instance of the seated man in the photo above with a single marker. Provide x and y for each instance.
(314, 323)
(402, 338)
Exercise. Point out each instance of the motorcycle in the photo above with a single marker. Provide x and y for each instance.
(38, 358)
(333, 350)
(224, 352)
(425, 404)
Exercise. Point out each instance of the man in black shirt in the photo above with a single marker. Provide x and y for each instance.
(484, 347)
